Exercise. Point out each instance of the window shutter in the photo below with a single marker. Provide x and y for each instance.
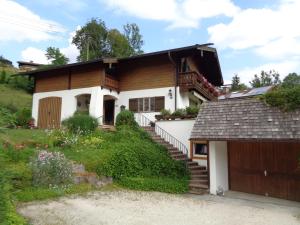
(133, 104)
(159, 103)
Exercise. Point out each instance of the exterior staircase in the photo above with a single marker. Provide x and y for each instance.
(199, 175)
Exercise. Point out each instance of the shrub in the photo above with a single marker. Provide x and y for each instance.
(285, 98)
(23, 117)
(51, 168)
(165, 112)
(7, 119)
(8, 214)
(91, 141)
(192, 110)
(167, 185)
(131, 154)
(126, 118)
(81, 123)
(179, 112)
(63, 138)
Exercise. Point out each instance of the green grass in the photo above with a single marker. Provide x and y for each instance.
(18, 98)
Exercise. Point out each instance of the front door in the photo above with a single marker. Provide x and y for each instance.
(109, 112)
(265, 168)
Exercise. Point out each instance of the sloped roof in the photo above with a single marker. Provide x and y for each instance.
(247, 93)
(244, 119)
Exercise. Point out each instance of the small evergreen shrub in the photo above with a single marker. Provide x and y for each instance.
(7, 119)
(81, 123)
(179, 112)
(51, 168)
(192, 110)
(126, 118)
(165, 112)
(23, 117)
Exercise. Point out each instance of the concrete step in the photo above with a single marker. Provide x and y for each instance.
(198, 186)
(198, 172)
(198, 191)
(202, 181)
(196, 167)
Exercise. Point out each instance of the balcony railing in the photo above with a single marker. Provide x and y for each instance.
(111, 83)
(195, 81)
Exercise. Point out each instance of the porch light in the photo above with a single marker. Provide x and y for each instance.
(170, 94)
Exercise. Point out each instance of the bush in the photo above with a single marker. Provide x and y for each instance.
(167, 185)
(7, 119)
(132, 154)
(8, 214)
(179, 112)
(165, 112)
(51, 169)
(23, 117)
(62, 138)
(192, 110)
(285, 98)
(126, 118)
(81, 124)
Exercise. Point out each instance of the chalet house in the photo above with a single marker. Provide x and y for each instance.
(147, 83)
(250, 147)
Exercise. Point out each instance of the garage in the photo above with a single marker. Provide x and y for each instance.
(265, 168)
(49, 114)
(253, 148)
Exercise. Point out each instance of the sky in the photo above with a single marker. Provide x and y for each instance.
(250, 36)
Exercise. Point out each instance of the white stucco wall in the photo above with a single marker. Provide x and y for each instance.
(218, 166)
(124, 97)
(69, 103)
(180, 129)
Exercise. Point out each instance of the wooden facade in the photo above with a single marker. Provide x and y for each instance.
(146, 73)
(265, 168)
(64, 79)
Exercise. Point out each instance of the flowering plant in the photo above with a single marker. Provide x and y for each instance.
(51, 168)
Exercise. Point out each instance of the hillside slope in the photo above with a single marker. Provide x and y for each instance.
(15, 97)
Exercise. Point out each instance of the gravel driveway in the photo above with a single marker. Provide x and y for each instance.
(149, 208)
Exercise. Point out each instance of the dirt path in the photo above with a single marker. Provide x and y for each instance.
(144, 208)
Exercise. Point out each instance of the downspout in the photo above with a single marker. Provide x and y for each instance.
(175, 77)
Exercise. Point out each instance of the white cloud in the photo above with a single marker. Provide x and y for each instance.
(272, 33)
(283, 68)
(19, 23)
(34, 54)
(38, 55)
(71, 51)
(184, 13)
(73, 5)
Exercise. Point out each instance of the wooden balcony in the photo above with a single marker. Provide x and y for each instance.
(193, 81)
(111, 83)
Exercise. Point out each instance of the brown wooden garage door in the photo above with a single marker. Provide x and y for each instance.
(49, 113)
(264, 168)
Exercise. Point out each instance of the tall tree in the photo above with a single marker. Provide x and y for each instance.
(135, 39)
(91, 40)
(236, 84)
(265, 79)
(56, 57)
(291, 80)
(95, 40)
(118, 44)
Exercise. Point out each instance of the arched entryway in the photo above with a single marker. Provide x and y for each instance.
(49, 114)
(109, 110)
(83, 103)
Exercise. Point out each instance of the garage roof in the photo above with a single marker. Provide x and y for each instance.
(245, 119)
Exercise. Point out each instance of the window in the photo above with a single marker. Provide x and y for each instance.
(149, 104)
(200, 149)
